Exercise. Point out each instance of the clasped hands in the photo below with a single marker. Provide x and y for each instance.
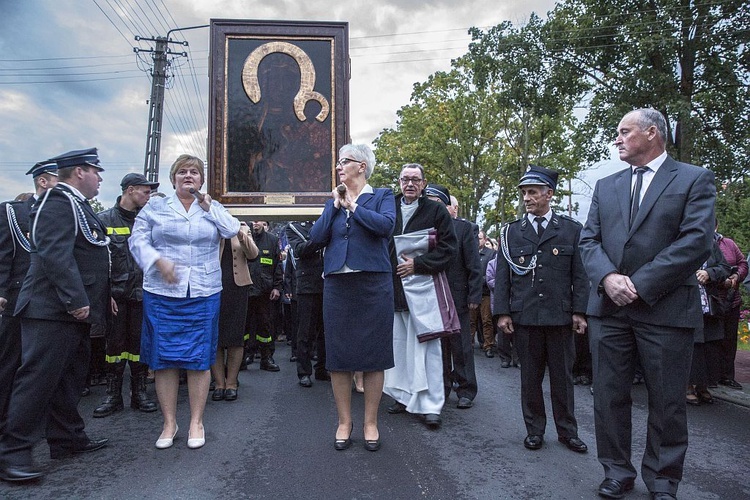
(620, 289)
(343, 200)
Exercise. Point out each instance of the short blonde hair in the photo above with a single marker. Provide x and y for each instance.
(186, 161)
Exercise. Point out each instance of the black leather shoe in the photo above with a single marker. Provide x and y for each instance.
(292, 359)
(85, 392)
(731, 383)
(489, 353)
(574, 444)
(91, 445)
(218, 395)
(19, 473)
(612, 488)
(269, 365)
(638, 379)
(372, 445)
(432, 420)
(464, 403)
(305, 381)
(661, 495)
(322, 376)
(505, 364)
(230, 395)
(342, 444)
(396, 408)
(533, 442)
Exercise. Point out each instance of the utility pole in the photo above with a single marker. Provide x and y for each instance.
(156, 104)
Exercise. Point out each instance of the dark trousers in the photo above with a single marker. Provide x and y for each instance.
(309, 331)
(551, 347)
(506, 348)
(124, 339)
(728, 345)
(259, 325)
(665, 353)
(291, 322)
(10, 360)
(47, 390)
(582, 364)
(458, 360)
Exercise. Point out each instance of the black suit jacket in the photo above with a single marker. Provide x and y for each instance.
(464, 272)
(66, 272)
(308, 260)
(670, 239)
(429, 214)
(14, 259)
(556, 289)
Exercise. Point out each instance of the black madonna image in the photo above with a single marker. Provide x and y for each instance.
(282, 113)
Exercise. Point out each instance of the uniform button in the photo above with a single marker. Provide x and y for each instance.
(541, 295)
(346, 237)
(540, 266)
(538, 251)
(541, 280)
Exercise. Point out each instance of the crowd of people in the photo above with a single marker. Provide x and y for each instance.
(382, 294)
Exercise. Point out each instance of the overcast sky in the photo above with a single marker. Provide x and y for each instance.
(69, 78)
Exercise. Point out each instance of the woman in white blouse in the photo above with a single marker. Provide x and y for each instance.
(175, 240)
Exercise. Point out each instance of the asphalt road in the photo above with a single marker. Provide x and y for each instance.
(276, 441)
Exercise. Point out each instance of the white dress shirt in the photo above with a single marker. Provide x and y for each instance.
(648, 175)
(190, 239)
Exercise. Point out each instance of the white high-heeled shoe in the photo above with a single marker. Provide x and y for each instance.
(163, 443)
(194, 443)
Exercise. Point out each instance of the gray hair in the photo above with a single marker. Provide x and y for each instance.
(413, 165)
(360, 152)
(648, 117)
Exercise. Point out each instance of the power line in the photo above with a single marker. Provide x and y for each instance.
(112, 23)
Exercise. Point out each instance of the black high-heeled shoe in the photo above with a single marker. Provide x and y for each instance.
(343, 444)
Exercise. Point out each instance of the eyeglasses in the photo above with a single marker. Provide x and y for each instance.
(406, 180)
(344, 161)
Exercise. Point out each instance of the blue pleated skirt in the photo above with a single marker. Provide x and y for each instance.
(179, 332)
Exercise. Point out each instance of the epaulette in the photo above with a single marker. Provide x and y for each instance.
(568, 217)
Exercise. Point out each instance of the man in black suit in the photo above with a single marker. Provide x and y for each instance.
(14, 262)
(540, 298)
(65, 291)
(649, 228)
(308, 269)
(465, 282)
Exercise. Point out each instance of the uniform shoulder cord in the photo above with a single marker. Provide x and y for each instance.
(515, 268)
(16, 230)
(80, 218)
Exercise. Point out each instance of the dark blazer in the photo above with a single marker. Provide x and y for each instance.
(306, 260)
(361, 241)
(66, 272)
(556, 289)
(464, 272)
(429, 214)
(14, 260)
(670, 239)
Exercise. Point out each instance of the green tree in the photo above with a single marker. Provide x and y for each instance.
(539, 102)
(687, 58)
(450, 128)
